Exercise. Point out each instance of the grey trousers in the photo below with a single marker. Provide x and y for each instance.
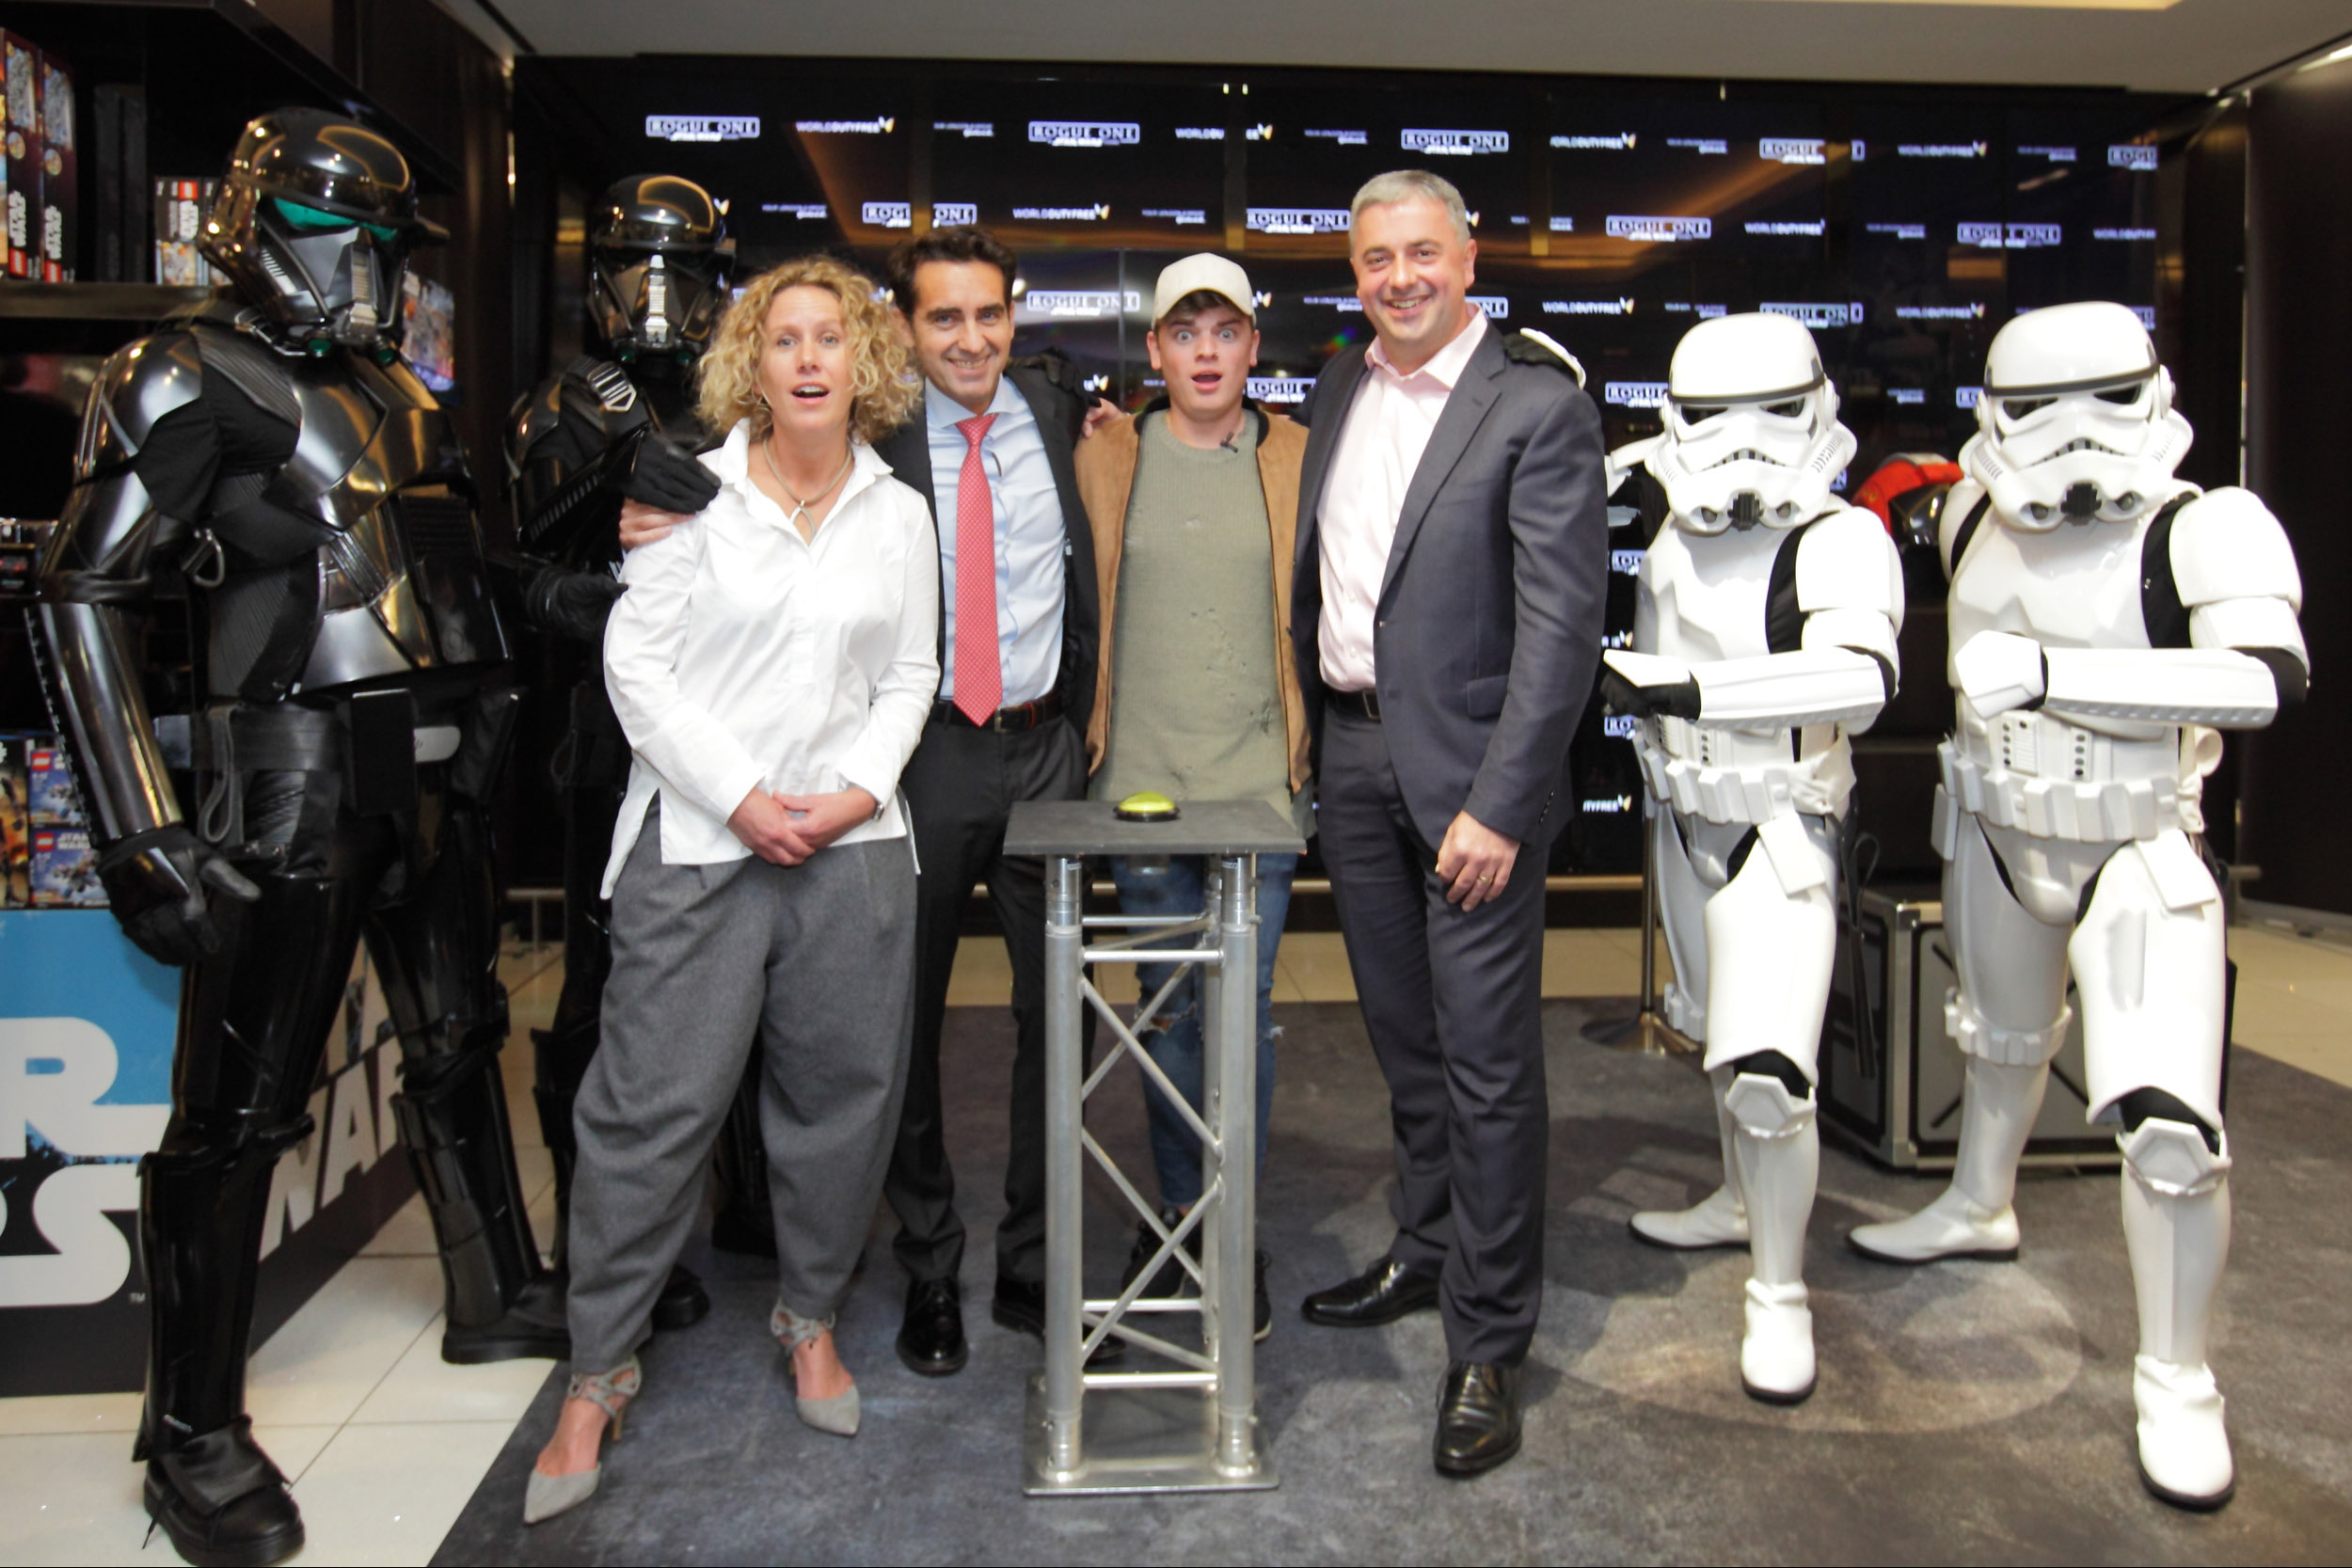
(818, 960)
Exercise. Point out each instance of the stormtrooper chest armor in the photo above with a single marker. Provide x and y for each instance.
(1704, 597)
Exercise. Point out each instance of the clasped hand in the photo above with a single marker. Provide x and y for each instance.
(1474, 861)
(786, 830)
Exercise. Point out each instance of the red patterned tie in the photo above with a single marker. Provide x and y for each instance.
(979, 670)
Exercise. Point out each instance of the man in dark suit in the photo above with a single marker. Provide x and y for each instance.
(993, 448)
(1447, 613)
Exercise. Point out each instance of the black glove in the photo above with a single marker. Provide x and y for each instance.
(663, 474)
(155, 883)
(1620, 695)
(569, 603)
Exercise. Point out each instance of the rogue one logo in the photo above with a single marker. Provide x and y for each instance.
(1789, 150)
(1086, 132)
(702, 127)
(1660, 229)
(1817, 315)
(1298, 220)
(889, 214)
(2132, 157)
(945, 213)
(1634, 394)
(2010, 236)
(1281, 388)
(1454, 143)
(1088, 303)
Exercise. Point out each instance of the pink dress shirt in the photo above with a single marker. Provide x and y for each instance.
(1387, 429)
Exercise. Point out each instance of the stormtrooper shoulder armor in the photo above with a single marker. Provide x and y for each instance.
(137, 388)
(2226, 545)
(1849, 585)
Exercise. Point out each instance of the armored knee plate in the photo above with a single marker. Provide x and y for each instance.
(2172, 1157)
(1765, 1108)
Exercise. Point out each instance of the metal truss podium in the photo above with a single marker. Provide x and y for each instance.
(1193, 1428)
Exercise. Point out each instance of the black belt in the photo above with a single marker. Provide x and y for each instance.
(1356, 705)
(1016, 719)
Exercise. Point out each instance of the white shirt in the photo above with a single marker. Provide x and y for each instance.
(1029, 536)
(1387, 428)
(745, 657)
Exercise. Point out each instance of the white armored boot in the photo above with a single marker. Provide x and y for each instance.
(1719, 1218)
(1779, 1156)
(2176, 1227)
(1973, 1218)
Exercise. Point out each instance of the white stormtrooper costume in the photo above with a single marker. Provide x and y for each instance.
(1766, 630)
(2106, 619)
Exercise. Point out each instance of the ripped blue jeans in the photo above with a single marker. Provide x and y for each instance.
(1172, 885)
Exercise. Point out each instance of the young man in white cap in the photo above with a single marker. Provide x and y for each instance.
(1192, 504)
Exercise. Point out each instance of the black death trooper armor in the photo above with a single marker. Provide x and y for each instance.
(1764, 634)
(605, 430)
(273, 460)
(2108, 619)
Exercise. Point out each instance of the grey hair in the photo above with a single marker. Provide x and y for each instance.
(1410, 184)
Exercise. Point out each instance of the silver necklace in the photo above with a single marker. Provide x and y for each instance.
(800, 505)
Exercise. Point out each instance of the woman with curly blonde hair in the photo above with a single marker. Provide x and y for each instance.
(772, 662)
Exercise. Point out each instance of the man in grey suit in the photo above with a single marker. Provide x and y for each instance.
(1447, 613)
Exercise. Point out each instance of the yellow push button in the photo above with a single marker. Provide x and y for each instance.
(1146, 805)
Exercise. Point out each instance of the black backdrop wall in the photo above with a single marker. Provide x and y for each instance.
(2299, 402)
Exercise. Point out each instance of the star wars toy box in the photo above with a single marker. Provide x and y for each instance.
(64, 870)
(53, 796)
(60, 174)
(16, 823)
(180, 209)
(20, 169)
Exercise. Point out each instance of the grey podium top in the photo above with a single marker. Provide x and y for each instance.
(1207, 828)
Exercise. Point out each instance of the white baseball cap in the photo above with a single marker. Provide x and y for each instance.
(1196, 273)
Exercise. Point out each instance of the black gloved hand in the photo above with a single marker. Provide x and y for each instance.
(1620, 695)
(155, 883)
(570, 604)
(663, 474)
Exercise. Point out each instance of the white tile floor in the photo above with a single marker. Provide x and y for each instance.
(384, 1443)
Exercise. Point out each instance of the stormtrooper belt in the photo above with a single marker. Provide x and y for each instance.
(1726, 775)
(2043, 776)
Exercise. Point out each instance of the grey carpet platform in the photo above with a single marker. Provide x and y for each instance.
(1967, 1411)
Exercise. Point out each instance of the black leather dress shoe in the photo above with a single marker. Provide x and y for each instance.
(222, 1502)
(1021, 1309)
(930, 1340)
(1381, 1295)
(1478, 1417)
(683, 1302)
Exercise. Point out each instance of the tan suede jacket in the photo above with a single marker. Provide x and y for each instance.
(1107, 475)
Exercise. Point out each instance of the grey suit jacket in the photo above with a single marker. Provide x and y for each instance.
(1488, 622)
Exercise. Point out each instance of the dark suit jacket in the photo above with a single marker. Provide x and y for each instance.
(1059, 413)
(1488, 622)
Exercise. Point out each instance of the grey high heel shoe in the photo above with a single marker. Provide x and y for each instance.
(549, 1496)
(837, 1415)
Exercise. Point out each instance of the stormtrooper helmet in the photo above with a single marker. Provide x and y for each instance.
(1752, 433)
(660, 254)
(2076, 422)
(314, 222)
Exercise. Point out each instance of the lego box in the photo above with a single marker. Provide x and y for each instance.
(60, 174)
(53, 796)
(64, 870)
(16, 823)
(180, 209)
(20, 139)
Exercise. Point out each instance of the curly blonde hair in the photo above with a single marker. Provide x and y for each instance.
(883, 386)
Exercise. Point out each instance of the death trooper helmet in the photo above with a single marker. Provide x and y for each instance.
(660, 255)
(2076, 422)
(1752, 433)
(313, 223)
